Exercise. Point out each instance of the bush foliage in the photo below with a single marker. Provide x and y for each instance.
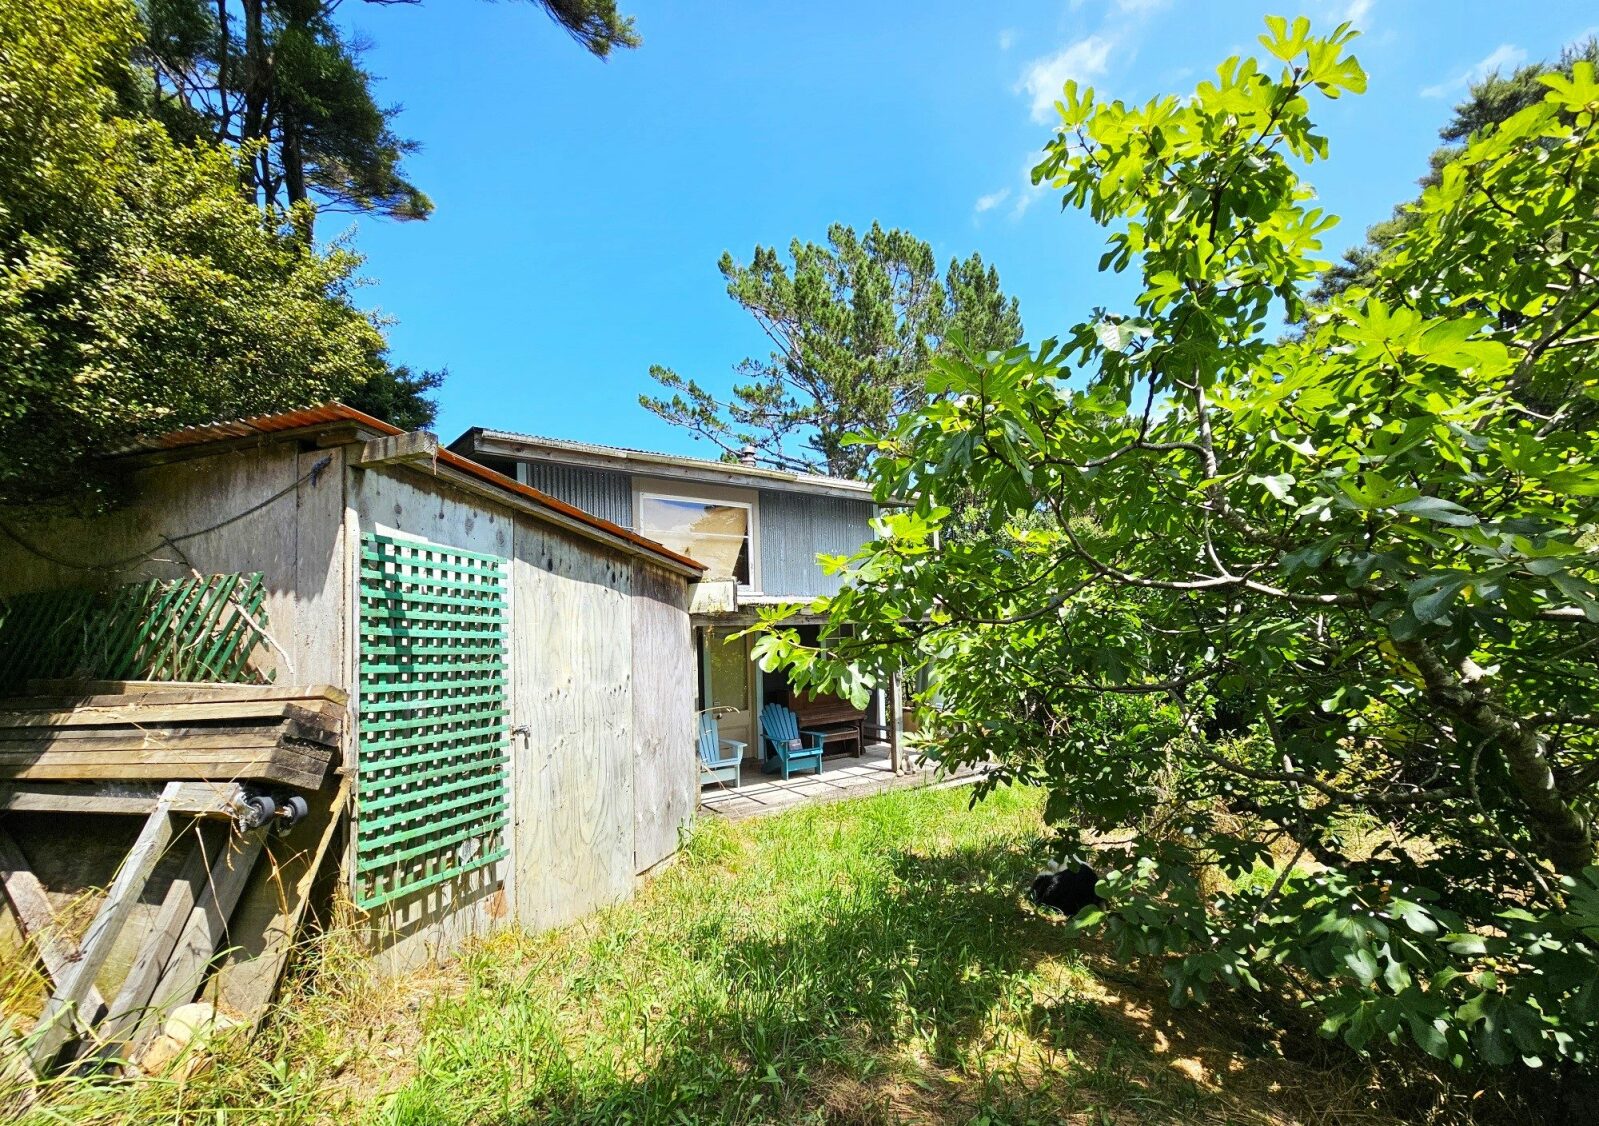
(140, 289)
(1243, 591)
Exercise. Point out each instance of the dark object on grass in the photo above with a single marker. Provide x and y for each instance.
(1068, 888)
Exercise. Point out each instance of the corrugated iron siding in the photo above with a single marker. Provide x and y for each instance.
(796, 528)
(596, 491)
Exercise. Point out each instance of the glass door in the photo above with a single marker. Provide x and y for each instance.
(727, 681)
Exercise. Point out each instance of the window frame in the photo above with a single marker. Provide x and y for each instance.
(752, 521)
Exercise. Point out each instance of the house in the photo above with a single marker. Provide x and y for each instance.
(758, 532)
(519, 669)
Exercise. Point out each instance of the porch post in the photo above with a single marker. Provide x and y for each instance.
(895, 719)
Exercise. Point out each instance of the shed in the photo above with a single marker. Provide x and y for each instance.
(519, 673)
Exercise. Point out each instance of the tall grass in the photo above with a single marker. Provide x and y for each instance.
(868, 961)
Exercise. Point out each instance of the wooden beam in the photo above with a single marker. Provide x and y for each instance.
(60, 1015)
(202, 935)
(187, 888)
(36, 918)
(342, 435)
(76, 693)
(287, 766)
(418, 445)
(196, 799)
(146, 715)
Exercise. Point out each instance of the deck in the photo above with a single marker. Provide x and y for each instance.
(842, 776)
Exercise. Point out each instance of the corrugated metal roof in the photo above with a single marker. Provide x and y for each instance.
(332, 414)
(303, 419)
(638, 460)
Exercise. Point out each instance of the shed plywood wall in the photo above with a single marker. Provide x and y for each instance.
(280, 515)
(572, 685)
(665, 771)
(602, 738)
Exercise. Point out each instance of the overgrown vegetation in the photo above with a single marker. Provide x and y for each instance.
(870, 961)
(1238, 590)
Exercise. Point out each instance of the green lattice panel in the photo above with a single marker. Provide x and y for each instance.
(202, 628)
(432, 795)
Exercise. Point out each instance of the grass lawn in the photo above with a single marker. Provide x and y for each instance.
(868, 961)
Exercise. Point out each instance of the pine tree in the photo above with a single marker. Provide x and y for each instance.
(282, 81)
(855, 324)
(1491, 101)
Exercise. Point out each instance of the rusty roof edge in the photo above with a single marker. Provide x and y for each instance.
(314, 419)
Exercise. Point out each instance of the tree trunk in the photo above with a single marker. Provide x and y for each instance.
(255, 82)
(1564, 834)
(224, 49)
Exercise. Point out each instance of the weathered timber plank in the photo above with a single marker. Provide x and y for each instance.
(56, 1023)
(280, 769)
(416, 445)
(197, 738)
(186, 889)
(146, 715)
(268, 917)
(38, 923)
(72, 693)
(30, 740)
(316, 730)
(198, 799)
(202, 934)
(67, 762)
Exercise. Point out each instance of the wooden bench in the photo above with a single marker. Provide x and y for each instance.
(837, 719)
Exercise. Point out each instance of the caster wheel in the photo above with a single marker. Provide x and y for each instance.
(291, 813)
(260, 809)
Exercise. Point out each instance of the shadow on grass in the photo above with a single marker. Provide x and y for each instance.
(890, 998)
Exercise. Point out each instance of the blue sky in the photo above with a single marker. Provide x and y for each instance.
(582, 206)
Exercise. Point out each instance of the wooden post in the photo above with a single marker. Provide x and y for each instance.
(895, 723)
(36, 920)
(186, 890)
(203, 931)
(61, 1011)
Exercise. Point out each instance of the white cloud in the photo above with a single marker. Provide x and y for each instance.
(1083, 59)
(1504, 57)
(1140, 7)
(1355, 12)
(1007, 39)
(991, 200)
(1030, 192)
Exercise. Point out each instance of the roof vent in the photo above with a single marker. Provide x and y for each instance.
(746, 456)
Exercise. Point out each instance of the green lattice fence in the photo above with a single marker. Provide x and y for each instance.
(432, 795)
(202, 628)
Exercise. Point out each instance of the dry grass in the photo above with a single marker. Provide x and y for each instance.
(867, 962)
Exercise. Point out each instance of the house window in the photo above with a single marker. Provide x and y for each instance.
(717, 533)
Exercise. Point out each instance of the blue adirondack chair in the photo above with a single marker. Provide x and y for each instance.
(720, 759)
(791, 748)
